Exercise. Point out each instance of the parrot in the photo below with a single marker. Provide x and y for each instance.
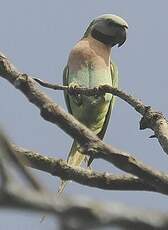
(90, 65)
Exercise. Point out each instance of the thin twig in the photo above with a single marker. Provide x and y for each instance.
(135, 103)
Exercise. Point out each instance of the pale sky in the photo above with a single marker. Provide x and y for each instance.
(38, 36)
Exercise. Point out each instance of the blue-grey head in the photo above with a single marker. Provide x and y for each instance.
(108, 29)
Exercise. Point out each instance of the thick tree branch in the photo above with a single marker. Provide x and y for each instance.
(90, 143)
(85, 177)
(151, 119)
(80, 213)
(85, 213)
(4, 174)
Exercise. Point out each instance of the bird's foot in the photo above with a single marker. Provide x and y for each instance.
(72, 87)
(77, 98)
(98, 91)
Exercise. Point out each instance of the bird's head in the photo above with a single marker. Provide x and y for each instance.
(108, 29)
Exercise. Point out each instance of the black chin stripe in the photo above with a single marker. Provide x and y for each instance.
(106, 39)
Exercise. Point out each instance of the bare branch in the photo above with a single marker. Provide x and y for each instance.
(90, 143)
(7, 152)
(135, 103)
(83, 213)
(151, 119)
(4, 175)
(80, 213)
(158, 123)
(86, 177)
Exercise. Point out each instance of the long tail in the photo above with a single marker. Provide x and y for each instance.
(75, 158)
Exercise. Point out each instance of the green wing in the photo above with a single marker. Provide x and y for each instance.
(65, 82)
(114, 76)
(74, 157)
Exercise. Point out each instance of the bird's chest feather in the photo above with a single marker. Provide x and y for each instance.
(89, 70)
(92, 109)
(91, 74)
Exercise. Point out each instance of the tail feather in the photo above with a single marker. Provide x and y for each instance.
(75, 158)
(61, 187)
(60, 191)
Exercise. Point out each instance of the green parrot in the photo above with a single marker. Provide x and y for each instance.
(89, 65)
